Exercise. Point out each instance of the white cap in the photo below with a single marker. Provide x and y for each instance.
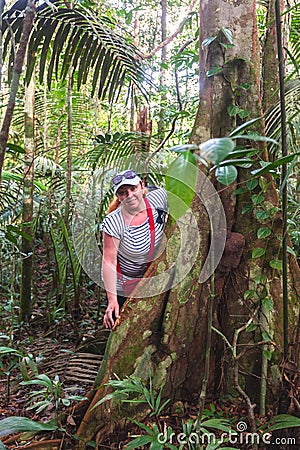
(133, 179)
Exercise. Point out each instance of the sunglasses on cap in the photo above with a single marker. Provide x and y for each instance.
(129, 175)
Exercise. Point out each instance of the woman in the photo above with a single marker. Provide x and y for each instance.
(127, 241)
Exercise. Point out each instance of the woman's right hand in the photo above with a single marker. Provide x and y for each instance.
(111, 314)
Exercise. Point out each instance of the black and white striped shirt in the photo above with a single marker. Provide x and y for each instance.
(135, 239)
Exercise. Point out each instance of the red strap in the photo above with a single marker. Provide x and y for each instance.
(152, 230)
(152, 237)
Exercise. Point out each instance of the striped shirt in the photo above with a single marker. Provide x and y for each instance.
(135, 239)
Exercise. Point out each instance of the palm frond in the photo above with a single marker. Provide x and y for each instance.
(294, 40)
(273, 115)
(109, 148)
(78, 39)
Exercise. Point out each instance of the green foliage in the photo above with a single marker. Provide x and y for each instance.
(133, 390)
(281, 422)
(181, 179)
(154, 437)
(17, 424)
(190, 437)
(269, 167)
(226, 175)
(15, 358)
(80, 38)
(52, 394)
(181, 176)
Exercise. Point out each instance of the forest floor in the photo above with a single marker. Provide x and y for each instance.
(51, 350)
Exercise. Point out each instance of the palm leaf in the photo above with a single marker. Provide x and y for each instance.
(294, 39)
(78, 38)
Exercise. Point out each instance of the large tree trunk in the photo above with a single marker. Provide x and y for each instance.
(168, 332)
(27, 208)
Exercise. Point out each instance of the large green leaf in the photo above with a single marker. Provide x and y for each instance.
(269, 166)
(20, 179)
(17, 424)
(226, 174)
(216, 150)
(181, 179)
(281, 422)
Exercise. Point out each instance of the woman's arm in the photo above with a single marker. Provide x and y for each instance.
(109, 271)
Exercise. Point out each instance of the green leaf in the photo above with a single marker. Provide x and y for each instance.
(228, 34)
(283, 421)
(261, 214)
(267, 354)
(276, 264)
(7, 350)
(216, 150)
(13, 148)
(214, 71)
(181, 181)
(239, 151)
(232, 110)
(258, 252)
(18, 424)
(77, 38)
(267, 304)
(273, 165)
(247, 208)
(155, 445)
(138, 442)
(42, 380)
(266, 337)
(239, 191)
(19, 232)
(208, 41)
(183, 148)
(291, 251)
(257, 199)
(218, 424)
(249, 293)
(263, 232)
(243, 113)
(20, 179)
(243, 127)
(92, 444)
(252, 184)
(240, 162)
(256, 137)
(226, 174)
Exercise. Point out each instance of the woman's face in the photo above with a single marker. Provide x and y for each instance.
(130, 196)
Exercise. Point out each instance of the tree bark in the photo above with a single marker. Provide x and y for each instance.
(17, 70)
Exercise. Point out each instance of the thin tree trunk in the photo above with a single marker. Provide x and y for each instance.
(27, 207)
(17, 70)
(270, 81)
(162, 81)
(2, 5)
